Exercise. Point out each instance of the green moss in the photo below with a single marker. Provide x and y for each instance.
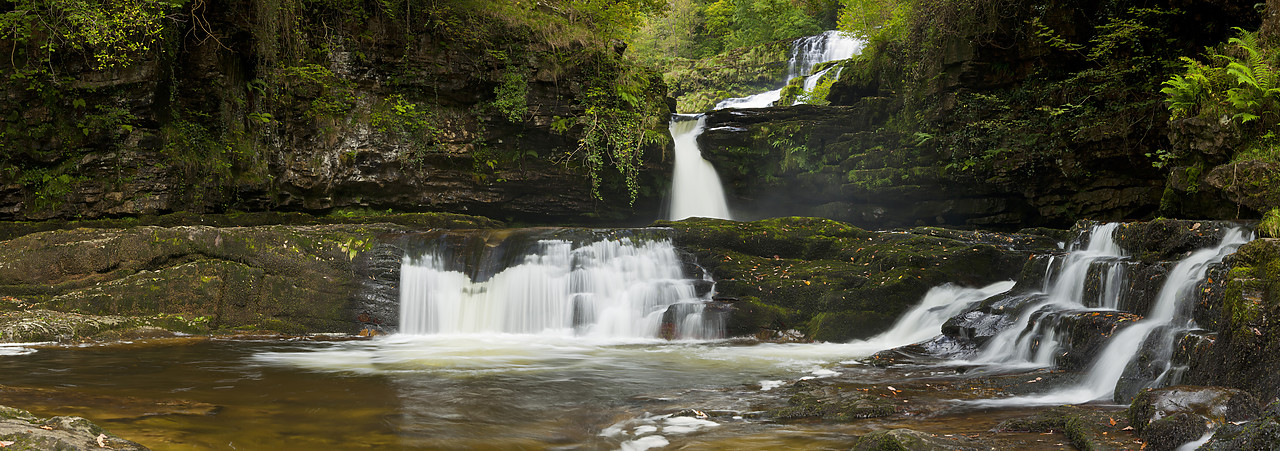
(843, 406)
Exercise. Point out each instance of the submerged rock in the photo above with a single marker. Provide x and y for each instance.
(911, 440)
(831, 402)
(20, 429)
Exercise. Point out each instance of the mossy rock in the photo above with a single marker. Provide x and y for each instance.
(1078, 424)
(911, 440)
(57, 433)
(859, 281)
(1259, 435)
(832, 403)
(13, 229)
(837, 326)
(292, 279)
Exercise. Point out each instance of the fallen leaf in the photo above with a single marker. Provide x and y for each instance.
(1127, 428)
(5, 443)
(1112, 420)
(47, 428)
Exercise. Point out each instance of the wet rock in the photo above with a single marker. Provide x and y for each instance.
(1168, 433)
(912, 440)
(1169, 239)
(20, 429)
(1261, 434)
(1169, 417)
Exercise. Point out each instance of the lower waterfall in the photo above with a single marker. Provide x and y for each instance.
(618, 287)
(1170, 315)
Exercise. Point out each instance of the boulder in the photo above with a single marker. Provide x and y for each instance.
(20, 429)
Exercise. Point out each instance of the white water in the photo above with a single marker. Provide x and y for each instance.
(1016, 345)
(925, 321)
(605, 289)
(695, 186)
(806, 53)
(1110, 364)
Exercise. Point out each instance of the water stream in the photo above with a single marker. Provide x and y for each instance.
(560, 338)
(1169, 316)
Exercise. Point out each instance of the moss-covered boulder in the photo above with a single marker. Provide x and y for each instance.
(1258, 435)
(293, 279)
(834, 281)
(1168, 417)
(20, 430)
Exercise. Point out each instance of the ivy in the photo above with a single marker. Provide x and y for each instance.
(621, 116)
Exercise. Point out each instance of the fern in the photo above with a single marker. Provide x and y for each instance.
(1256, 91)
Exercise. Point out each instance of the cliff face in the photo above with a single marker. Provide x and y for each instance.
(238, 106)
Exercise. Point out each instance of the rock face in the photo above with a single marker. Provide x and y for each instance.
(292, 279)
(348, 108)
(838, 162)
(20, 429)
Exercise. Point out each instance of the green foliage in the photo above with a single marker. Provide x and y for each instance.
(622, 112)
(110, 34)
(512, 95)
(328, 95)
(1270, 224)
(695, 29)
(817, 95)
(1241, 83)
(408, 123)
(876, 20)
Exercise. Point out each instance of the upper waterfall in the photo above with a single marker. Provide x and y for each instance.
(806, 53)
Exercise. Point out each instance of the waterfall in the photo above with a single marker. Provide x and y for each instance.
(609, 288)
(1170, 315)
(695, 188)
(925, 320)
(1030, 340)
(806, 53)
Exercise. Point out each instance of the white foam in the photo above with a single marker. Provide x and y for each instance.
(643, 443)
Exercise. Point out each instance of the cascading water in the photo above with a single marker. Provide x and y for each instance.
(806, 53)
(1169, 316)
(695, 186)
(925, 320)
(1026, 341)
(609, 288)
